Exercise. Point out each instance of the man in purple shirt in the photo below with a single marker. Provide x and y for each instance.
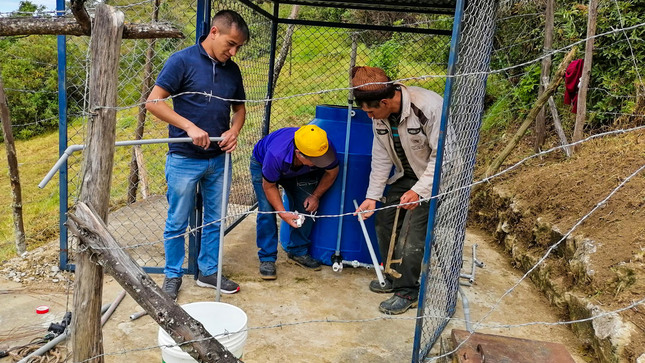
(305, 164)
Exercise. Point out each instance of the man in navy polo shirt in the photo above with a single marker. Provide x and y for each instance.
(204, 68)
(305, 164)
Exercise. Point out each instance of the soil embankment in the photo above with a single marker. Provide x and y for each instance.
(598, 268)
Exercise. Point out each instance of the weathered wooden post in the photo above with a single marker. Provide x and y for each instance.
(98, 160)
(14, 175)
(581, 114)
(183, 328)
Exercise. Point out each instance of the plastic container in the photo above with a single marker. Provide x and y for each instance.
(217, 318)
(333, 119)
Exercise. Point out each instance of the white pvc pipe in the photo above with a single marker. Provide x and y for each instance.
(73, 148)
(377, 268)
(222, 230)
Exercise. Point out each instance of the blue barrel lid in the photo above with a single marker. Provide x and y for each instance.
(339, 113)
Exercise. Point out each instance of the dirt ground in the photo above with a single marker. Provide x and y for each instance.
(562, 191)
(303, 316)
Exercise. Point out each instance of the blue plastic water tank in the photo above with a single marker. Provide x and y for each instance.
(333, 119)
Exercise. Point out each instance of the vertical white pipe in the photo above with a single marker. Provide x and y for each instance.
(222, 226)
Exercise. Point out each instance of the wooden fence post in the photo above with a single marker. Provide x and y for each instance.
(14, 175)
(540, 120)
(107, 31)
(581, 113)
(530, 118)
(171, 317)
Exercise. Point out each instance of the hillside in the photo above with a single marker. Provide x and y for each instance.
(533, 208)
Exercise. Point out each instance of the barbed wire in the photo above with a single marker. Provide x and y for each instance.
(631, 49)
(609, 93)
(339, 89)
(29, 90)
(542, 259)
(145, 2)
(421, 200)
(519, 16)
(370, 320)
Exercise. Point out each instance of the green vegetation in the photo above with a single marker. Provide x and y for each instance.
(613, 73)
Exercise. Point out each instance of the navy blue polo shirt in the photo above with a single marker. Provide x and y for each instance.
(193, 70)
(275, 153)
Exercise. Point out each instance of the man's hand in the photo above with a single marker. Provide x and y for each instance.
(229, 142)
(199, 136)
(368, 204)
(311, 203)
(409, 197)
(290, 218)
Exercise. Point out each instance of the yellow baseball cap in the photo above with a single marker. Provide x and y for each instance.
(312, 142)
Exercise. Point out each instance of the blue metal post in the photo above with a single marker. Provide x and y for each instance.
(201, 21)
(274, 40)
(62, 140)
(445, 113)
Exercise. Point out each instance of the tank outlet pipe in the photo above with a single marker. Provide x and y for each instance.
(337, 265)
(466, 306)
(377, 268)
(356, 264)
(73, 148)
(52, 343)
(222, 230)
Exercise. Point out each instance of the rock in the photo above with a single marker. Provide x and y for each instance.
(55, 269)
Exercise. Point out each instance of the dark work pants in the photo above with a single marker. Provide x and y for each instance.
(410, 238)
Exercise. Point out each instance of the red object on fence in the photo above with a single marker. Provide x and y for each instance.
(571, 82)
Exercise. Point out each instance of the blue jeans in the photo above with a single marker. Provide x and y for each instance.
(183, 174)
(296, 189)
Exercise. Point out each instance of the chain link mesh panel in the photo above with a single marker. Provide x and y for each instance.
(316, 68)
(439, 298)
(137, 205)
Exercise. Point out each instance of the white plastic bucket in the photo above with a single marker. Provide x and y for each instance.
(227, 323)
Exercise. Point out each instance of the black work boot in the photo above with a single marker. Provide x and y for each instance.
(397, 304)
(375, 286)
(267, 270)
(305, 261)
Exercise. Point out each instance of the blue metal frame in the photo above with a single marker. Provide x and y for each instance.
(62, 140)
(445, 113)
(274, 41)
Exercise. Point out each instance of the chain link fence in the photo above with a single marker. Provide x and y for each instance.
(443, 261)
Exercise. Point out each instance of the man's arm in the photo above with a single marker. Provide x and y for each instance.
(160, 109)
(273, 196)
(311, 202)
(229, 142)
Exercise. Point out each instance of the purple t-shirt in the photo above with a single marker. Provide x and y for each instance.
(275, 153)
